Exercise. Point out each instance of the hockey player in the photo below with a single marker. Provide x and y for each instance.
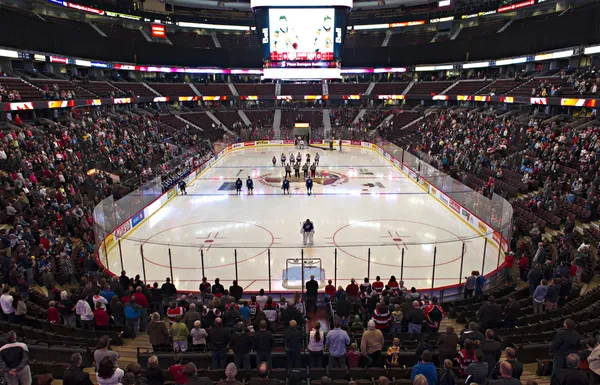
(313, 170)
(274, 161)
(297, 170)
(305, 169)
(298, 158)
(317, 158)
(308, 158)
(309, 184)
(286, 186)
(292, 159)
(250, 186)
(339, 140)
(182, 187)
(282, 159)
(308, 231)
(331, 145)
(238, 186)
(288, 171)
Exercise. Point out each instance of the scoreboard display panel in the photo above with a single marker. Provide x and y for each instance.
(301, 35)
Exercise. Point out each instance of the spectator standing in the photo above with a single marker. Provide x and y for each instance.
(133, 314)
(489, 313)
(466, 356)
(534, 277)
(470, 285)
(434, 314)
(101, 317)
(506, 377)
(446, 375)
(512, 311)
(177, 370)
(293, 345)
(219, 340)
(565, 342)
(241, 344)
(539, 297)
(415, 318)
(344, 309)
(236, 291)
(315, 346)
(371, 344)
(477, 371)
(158, 332)
(74, 375)
(157, 299)
(426, 368)
(168, 291)
(191, 316)
(337, 341)
(491, 349)
(103, 350)
(312, 289)
(447, 345)
(571, 374)
(180, 334)
(263, 344)
(14, 361)
(198, 337)
(511, 358)
(263, 377)
(84, 311)
(382, 317)
(352, 291)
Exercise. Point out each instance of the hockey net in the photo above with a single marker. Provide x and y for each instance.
(294, 267)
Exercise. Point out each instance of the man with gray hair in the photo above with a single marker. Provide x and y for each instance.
(372, 343)
(571, 374)
(14, 361)
(230, 373)
(506, 377)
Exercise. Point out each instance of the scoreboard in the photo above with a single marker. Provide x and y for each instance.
(301, 39)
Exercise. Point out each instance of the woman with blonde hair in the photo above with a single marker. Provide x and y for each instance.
(153, 373)
(420, 380)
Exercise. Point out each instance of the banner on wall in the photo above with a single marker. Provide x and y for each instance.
(355, 142)
(237, 145)
(262, 142)
(122, 230)
(455, 206)
(135, 220)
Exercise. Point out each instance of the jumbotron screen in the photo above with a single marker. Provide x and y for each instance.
(301, 39)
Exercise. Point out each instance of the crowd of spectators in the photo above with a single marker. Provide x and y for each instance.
(7, 95)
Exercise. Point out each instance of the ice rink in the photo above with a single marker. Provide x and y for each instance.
(360, 202)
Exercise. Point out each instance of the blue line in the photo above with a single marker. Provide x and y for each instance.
(323, 194)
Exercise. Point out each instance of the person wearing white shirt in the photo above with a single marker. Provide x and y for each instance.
(6, 301)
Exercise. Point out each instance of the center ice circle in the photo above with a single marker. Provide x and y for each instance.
(221, 236)
(392, 233)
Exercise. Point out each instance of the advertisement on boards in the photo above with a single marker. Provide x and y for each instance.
(135, 220)
(237, 145)
(248, 144)
(455, 206)
(262, 142)
(122, 230)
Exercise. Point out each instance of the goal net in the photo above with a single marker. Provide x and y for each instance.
(292, 275)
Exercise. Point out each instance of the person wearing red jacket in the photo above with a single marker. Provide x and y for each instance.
(393, 284)
(523, 264)
(509, 261)
(434, 314)
(141, 300)
(53, 316)
(330, 289)
(352, 291)
(378, 285)
(101, 316)
(382, 317)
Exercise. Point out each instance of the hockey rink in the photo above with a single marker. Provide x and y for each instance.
(360, 202)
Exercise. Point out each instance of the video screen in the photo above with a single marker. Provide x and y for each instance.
(300, 34)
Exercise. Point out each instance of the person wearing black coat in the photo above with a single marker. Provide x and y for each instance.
(343, 309)
(217, 287)
(471, 333)
(236, 291)
(312, 289)
(292, 313)
(565, 342)
(489, 314)
(511, 358)
(241, 344)
(74, 375)
(571, 375)
(293, 345)
(263, 344)
(492, 350)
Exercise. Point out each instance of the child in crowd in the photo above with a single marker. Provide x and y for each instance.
(353, 356)
(393, 353)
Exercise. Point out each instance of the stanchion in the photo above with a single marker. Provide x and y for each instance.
(105, 255)
(236, 266)
(302, 269)
(171, 264)
(402, 266)
(499, 249)
(202, 262)
(143, 262)
(335, 267)
(462, 260)
(269, 265)
(484, 252)
(433, 272)
(369, 264)
(121, 255)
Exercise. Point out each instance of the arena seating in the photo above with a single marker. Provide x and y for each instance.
(487, 27)
(429, 88)
(26, 91)
(173, 89)
(131, 88)
(237, 40)
(301, 89)
(289, 117)
(213, 89)
(102, 89)
(411, 37)
(500, 87)
(191, 39)
(468, 87)
(347, 88)
(255, 89)
(396, 88)
(260, 118)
